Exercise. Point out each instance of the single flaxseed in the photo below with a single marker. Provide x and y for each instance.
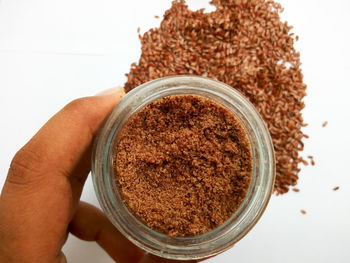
(311, 160)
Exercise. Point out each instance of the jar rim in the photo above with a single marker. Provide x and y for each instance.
(239, 224)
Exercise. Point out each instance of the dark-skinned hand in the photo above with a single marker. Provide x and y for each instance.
(40, 201)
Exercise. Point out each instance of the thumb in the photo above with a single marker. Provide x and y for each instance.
(62, 146)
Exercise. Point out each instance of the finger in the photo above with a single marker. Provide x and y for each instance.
(62, 147)
(90, 224)
(62, 258)
(149, 258)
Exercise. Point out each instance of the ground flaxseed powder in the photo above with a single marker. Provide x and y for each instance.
(183, 165)
(244, 44)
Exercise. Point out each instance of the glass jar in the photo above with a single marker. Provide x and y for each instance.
(220, 238)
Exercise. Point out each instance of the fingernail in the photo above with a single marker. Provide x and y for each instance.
(115, 90)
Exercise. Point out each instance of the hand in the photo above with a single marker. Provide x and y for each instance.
(39, 203)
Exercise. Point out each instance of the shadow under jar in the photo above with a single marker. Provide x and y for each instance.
(170, 244)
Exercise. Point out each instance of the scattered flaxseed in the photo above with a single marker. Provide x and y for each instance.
(156, 17)
(336, 188)
(325, 124)
(245, 45)
(183, 165)
(296, 190)
(138, 30)
(303, 212)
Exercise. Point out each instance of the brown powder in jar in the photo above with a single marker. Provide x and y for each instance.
(244, 44)
(183, 165)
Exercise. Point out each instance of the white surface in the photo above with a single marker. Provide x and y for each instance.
(54, 51)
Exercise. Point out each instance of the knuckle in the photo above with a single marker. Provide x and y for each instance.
(80, 106)
(83, 111)
(24, 167)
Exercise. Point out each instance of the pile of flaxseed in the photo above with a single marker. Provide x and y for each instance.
(244, 44)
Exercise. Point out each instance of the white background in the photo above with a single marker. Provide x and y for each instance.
(52, 51)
